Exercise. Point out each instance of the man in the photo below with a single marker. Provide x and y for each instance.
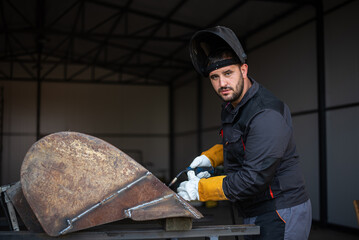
(258, 151)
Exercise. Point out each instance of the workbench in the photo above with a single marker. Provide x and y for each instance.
(129, 229)
(212, 232)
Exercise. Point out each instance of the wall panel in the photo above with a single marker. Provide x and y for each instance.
(342, 55)
(343, 165)
(306, 135)
(132, 118)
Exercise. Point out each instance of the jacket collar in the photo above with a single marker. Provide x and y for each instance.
(231, 111)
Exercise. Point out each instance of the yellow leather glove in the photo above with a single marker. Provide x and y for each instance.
(215, 155)
(211, 189)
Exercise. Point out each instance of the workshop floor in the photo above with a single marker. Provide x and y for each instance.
(221, 215)
(320, 234)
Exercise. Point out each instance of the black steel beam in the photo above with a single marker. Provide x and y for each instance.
(93, 38)
(280, 35)
(103, 22)
(87, 81)
(288, 1)
(322, 126)
(20, 13)
(171, 118)
(73, 30)
(71, 7)
(144, 14)
(100, 64)
(273, 21)
(104, 41)
(225, 14)
(155, 30)
(199, 114)
(19, 43)
(300, 25)
(40, 21)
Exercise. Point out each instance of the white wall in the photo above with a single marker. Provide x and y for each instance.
(132, 118)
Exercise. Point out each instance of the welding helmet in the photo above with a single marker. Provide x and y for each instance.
(204, 42)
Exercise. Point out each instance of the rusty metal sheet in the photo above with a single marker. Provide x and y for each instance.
(74, 181)
(23, 209)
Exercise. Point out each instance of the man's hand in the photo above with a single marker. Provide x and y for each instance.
(189, 189)
(201, 161)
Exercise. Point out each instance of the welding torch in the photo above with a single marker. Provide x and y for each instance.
(196, 170)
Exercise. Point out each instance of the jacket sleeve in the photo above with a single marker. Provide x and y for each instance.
(215, 155)
(265, 146)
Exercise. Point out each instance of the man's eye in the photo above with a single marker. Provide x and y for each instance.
(228, 73)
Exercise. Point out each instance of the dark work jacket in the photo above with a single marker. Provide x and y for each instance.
(260, 158)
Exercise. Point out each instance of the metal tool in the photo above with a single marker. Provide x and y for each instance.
(196, 170)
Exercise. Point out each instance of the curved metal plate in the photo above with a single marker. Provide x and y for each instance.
(74, 181)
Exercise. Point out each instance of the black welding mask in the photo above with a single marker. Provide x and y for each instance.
(204, 42)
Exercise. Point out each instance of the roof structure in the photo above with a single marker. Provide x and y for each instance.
(125, 41)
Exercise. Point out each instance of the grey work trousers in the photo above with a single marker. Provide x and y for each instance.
(292, 223)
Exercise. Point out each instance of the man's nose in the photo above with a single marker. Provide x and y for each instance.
(222, 82)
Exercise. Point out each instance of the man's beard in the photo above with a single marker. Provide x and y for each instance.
(236, 94)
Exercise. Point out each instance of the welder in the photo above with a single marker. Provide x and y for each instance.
(258, 151)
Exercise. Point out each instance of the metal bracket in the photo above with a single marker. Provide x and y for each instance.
(10, 208)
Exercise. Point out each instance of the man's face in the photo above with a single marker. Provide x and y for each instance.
(228, 83)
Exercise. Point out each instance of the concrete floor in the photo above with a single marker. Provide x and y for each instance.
(329, 234)
(221, 215)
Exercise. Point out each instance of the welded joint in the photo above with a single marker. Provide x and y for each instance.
(185, 205)
(153, 202)
(104, 201)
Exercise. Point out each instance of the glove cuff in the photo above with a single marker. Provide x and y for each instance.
(215, 155)
(211, 189)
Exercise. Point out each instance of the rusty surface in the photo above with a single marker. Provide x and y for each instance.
(23, 209)
(66, 178)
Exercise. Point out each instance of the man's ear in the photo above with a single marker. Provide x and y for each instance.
(244, 70)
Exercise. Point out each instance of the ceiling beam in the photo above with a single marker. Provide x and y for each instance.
(116, 36)
(155, 30)
(104, 42)
(288, 1)
(67, 10)
(61, 61)
(144, 14)
(20, 13)
(225, 14)
(273, 21)
(86, 81)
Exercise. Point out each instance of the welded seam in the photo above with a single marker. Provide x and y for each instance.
(104, 201)
(128, 211)
(187, 207)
